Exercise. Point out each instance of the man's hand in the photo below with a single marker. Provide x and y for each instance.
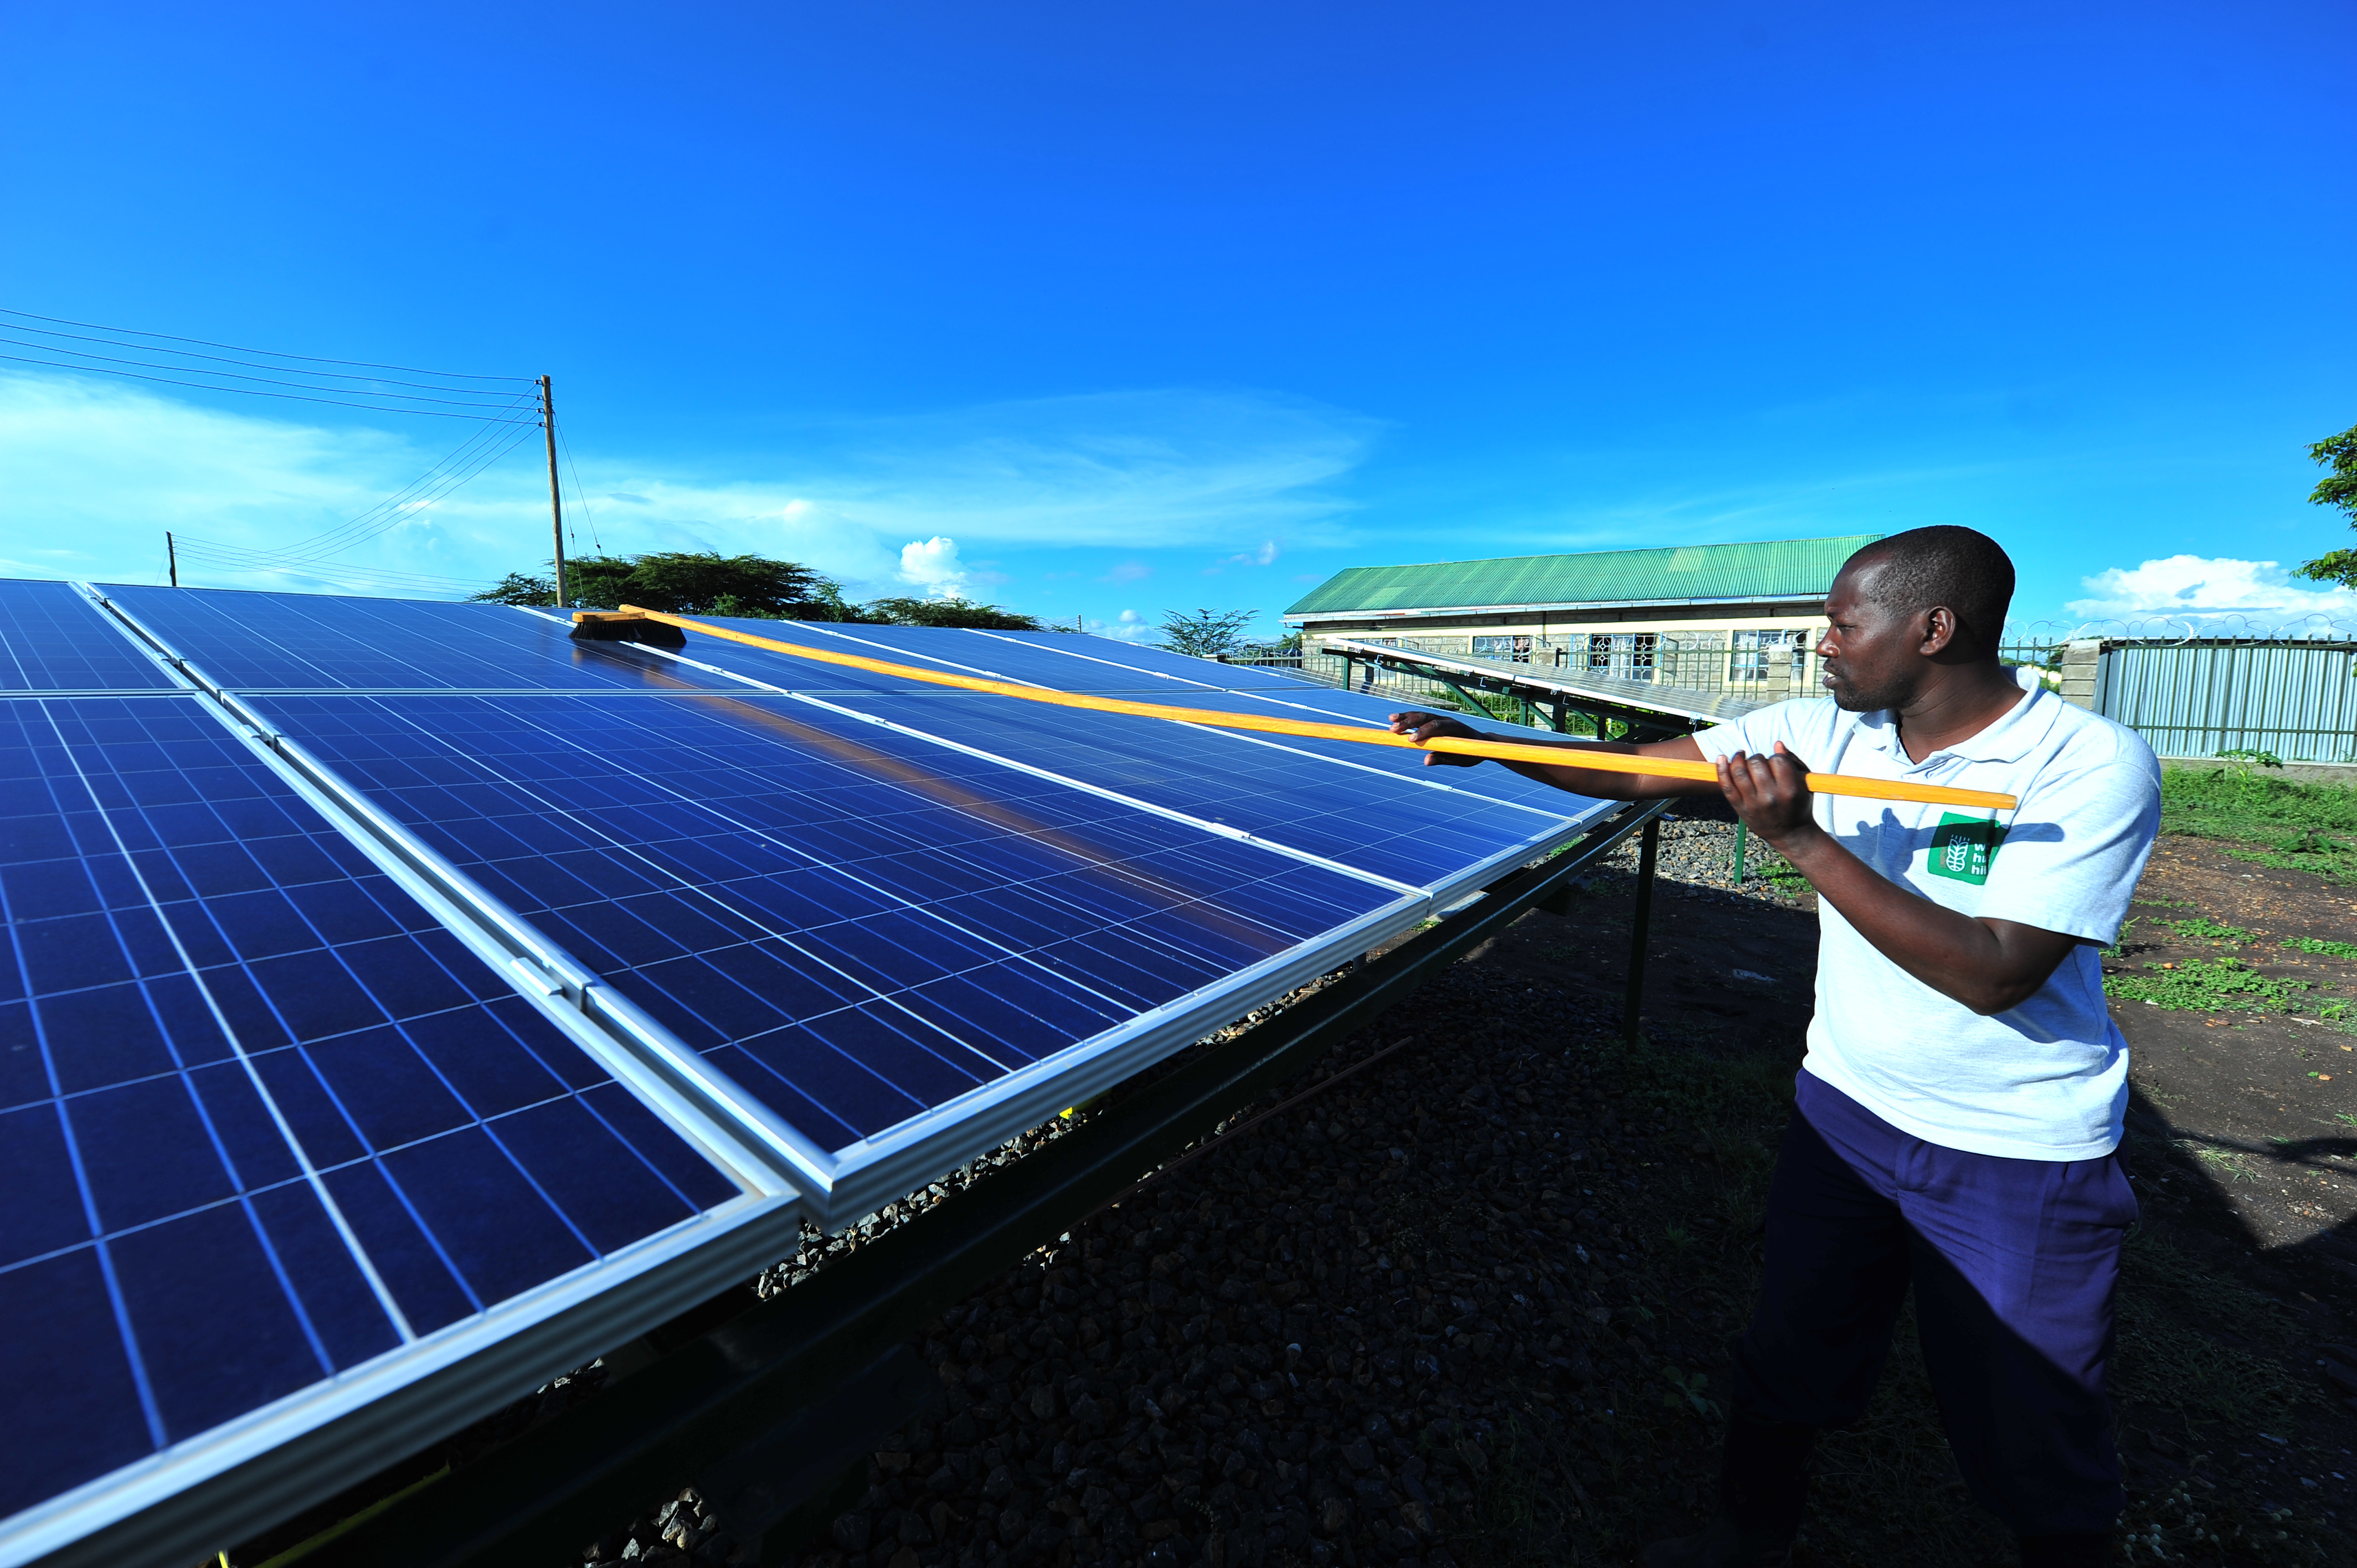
(1989, 965)
(1426, 727)
(1770, 793)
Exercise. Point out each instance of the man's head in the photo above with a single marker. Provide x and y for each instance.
(1907, 606)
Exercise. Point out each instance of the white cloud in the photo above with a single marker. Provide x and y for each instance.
(2199, 589)
(1263, 556)
(92, 474)
(933, 565)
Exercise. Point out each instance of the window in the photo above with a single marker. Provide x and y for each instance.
(1762, 653)
(1622, 655)
(1507, 649)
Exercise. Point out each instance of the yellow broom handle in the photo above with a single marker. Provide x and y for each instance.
(1503, 751)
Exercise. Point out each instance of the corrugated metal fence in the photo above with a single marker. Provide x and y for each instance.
(2294, 698)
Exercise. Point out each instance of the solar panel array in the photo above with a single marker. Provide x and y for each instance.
(413, 975)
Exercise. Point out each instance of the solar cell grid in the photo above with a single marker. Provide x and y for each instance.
(315, 641)
(52, 639)
(1377, 823)
(261, 1119)
(1161, 662)
(1061, 663)
(856, 925)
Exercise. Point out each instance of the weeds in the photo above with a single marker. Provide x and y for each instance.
(2318, 945)
(2205, 985)
(2204, 928)
(2296, 827)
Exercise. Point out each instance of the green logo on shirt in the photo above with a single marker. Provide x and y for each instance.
(1962, 848)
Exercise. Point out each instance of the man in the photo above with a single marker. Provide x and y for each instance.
(1959, 1109)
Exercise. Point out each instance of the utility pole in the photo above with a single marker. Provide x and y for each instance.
(171, 558)
(555, 503)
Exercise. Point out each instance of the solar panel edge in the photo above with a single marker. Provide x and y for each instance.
(875, 1171)
(240, 1477)
(880, 1170)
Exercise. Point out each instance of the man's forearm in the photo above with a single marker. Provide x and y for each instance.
(1965, 960)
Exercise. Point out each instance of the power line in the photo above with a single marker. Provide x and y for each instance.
(251, 364)
(484, 409)
(259, 353)
(580, 496)
(504, 414)
(231, 558)
(440, 481)
(291, 397)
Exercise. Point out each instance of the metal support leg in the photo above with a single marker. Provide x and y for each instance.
(1640, 924)
(1742, 838)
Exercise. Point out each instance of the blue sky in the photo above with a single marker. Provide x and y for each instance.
(1094, 310)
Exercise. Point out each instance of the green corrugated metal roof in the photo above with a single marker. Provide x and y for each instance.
(1783, 568)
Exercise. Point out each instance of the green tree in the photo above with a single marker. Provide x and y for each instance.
(2337, 489)
(1206, 634)
(518, 589)
(948, 612)
(684, 583)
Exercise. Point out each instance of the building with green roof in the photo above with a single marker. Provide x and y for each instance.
(1695, 615)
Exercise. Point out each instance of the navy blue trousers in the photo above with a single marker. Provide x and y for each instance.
(2012, 1262)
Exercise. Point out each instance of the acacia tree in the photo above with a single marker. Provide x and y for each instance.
(2337, 489)
(681, 582)
(752, 586)
(1206, 634)
(949, 612)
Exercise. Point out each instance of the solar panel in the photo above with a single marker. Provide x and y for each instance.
(1059, 661)
(859, 927)
(274, 1139)
(843, 936)
(258, 641)
(52, 639)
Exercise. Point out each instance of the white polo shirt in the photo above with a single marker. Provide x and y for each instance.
(2047, 1081)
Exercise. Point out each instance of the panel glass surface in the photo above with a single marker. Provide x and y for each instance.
(1379, 823)
(54, 639)
(857, 926)
(1061, 664)
(1490, 780)
(262, 1119)
(321, 641)
(1159, 662)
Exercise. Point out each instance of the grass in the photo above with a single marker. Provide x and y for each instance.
(2205, 985)
(2204, 928)
(2318, 945)
(2271, 820)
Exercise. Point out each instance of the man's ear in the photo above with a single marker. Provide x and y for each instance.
(1940, 630)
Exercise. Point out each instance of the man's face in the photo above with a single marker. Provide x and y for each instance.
(1873, 656)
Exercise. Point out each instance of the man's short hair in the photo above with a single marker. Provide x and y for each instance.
(1960, 568)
